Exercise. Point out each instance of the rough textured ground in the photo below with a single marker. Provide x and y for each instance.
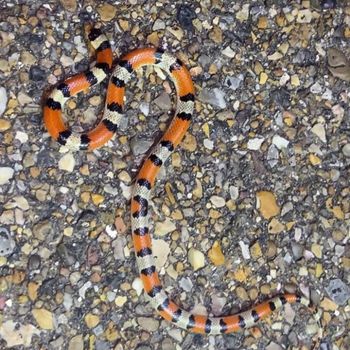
(255, 201)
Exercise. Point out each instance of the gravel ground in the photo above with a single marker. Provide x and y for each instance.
(255, 201)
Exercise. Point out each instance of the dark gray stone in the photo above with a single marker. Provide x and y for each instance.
(185, 16)
(36, 73)
(338, 291)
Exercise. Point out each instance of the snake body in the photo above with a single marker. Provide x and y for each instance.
(113, 114)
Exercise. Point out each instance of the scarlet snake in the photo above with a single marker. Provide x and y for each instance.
(113, 113)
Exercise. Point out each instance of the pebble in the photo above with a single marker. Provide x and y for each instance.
(91, 320)
(346, 150)
(268, 205)
(185, 14)
(189, 143)
(228, 52)
(287, 207)
(139, 146)
(36, 73)
(186, 284)
(16, 334)
(304, 16)
(338, 291)
(3, 100)
(101, 344)
(273, 346)
(21, 136)
(67, 162)
(312, 328)
(272, 155)
(164, 227)
(245, 250)
(167, 344)
(4, 124)
(297, 250)
(34, 262)
(76, 343)
(215, 254)
(275, 56)
(67, 62)
(314, 160)
(281, 97)
(27, 58)
(275, 226)
(137, 285)
(196, 258)
(255, 143)
(233, 83)
(163, 101)
(177, 32)
(328, 305)
(120, 300)
(70, 5)
(319, 130)
(82, 290)
(217, 201)
(144, 108)
(328, 4)
(271, 250)
(280, 142)
(67, 301)
(263, 78)
(214, 97)
(42, 229)
(234, 192)
(209, 144)
(317, 250)
(44, 318)
(33, 290)
(243, 14)
(316, 88)
(142, 347)
(107, 12)
(23, 99)
(255, 250)
(204, 60)
(6, 174)
(149, 324)
(111, 190)
(161, 250)
(158, 24)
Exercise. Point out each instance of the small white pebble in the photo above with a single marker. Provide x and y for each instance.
(217, 201)
(67, 162)
(21, 136)
(228, 52)
(280, 142)
(209, 144)
(3, 100)
(245, 250)
(137, 285)
(255, 144)
(6, 174)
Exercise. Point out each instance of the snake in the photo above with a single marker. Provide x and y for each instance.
(145, 180)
